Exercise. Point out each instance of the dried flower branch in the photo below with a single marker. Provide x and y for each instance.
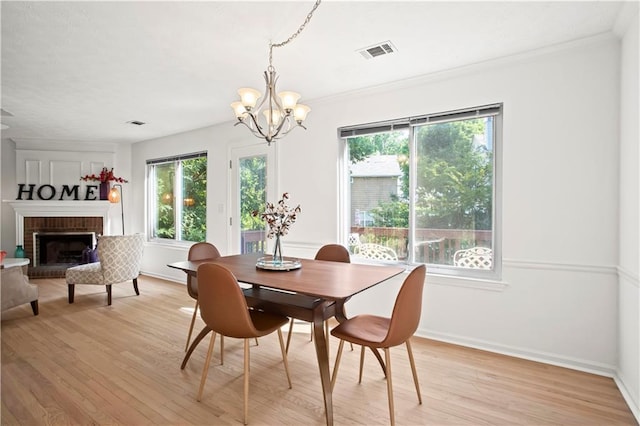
(279, 216)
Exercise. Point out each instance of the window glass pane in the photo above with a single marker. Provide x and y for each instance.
(454, 193)
(165, 212)
(379, 189)
(253, 173)
(194, 199)
(177, 189)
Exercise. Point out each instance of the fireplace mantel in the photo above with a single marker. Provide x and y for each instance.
(27, 208)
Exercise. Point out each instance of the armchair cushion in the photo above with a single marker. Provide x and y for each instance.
(16, 289)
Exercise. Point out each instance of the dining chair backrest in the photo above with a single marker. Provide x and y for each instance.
(333, 253)
(405, 317)
(199, 251)
(223, 306)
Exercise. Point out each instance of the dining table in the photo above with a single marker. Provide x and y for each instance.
(314, 291)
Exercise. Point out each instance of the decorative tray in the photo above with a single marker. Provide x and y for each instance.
(287, 264)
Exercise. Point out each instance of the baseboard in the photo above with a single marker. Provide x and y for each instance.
(537, 356)
(162, 277)
(633, 404)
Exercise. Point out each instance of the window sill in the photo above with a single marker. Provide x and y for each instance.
(444, 279)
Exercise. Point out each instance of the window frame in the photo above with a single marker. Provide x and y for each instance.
(412, 124)
(177, 196)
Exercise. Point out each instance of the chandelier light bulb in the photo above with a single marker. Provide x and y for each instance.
(249, 97)
(273, 117)
(289, 100)
(239, 110)
(300, 113)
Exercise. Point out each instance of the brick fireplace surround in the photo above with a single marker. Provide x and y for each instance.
(57, 216)
(55, 224)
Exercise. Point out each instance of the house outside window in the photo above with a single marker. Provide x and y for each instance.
(177, 189)
(426, 190)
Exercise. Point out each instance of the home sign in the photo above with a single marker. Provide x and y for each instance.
(48, 192)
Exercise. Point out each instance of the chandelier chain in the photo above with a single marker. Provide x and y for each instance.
(294, 35)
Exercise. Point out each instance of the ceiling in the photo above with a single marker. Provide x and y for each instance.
(79, 71)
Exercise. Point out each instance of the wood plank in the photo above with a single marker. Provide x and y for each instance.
(89, 363)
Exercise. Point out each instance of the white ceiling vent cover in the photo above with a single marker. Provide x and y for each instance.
(380, 49)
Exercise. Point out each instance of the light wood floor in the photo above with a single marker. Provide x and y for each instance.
(88, 363)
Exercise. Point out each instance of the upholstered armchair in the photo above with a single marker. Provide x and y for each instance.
(119, 258)
(17, 290)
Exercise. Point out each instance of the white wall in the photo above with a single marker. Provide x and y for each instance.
(628, 374)
(558, 301)
(47, 153)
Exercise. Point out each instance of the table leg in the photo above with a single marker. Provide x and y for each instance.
(320, 341)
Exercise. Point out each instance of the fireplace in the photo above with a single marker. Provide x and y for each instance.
(55, 249)
(53, 220)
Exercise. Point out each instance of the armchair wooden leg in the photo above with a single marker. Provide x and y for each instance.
(193, 321)
(413, 370)
(34, 307)
(205, 370)
(72, 288)
(109, 294)
(135, 286)
(387, 359)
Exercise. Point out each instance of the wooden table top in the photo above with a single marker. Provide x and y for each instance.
(319, 278)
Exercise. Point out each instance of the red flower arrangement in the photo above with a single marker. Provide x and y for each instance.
(105, 175)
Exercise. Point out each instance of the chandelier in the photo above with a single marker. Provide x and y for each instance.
(274, 116)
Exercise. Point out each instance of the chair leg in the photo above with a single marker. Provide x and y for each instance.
(413, 370)
(72, 288)
(135, 286)
(289, 334)
(34, 307)
(362, 349)
(246, 381)
(284, 357)
(109, 294)
(337, 364)
(221, 349)
(387, 359)
(193, 321)
(203, 333)
(205, 370)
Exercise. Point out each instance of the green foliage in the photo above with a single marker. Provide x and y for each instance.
(194, 186)
(253, 193)
(454, 175)
(392, 214)
(454, 180)
(193, 199)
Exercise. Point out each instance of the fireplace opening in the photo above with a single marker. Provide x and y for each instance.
(60, 248)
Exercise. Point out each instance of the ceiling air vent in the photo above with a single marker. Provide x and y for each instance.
(379, 49)
(136, 122)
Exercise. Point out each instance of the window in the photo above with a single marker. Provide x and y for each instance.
(177, 189)
(424, 190)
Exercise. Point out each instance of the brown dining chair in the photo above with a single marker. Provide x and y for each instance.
(381, 332)
(224, 309)
(198, 251)
(331, 253)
